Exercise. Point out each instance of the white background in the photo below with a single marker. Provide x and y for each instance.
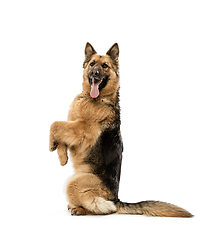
(167, 111)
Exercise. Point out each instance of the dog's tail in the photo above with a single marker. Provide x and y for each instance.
(152, 208)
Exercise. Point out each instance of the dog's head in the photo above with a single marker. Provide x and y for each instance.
(101, 77)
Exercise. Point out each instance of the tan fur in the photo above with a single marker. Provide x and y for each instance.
(87, 119)
(87, 190)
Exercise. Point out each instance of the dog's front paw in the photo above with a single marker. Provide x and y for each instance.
(53, 145)
(62, 153)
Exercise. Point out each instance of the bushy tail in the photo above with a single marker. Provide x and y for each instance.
(152, 208)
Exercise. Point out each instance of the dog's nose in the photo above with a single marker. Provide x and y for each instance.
(95, 72)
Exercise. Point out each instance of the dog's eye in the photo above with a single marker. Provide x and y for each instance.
(92, 64)
(104, 65)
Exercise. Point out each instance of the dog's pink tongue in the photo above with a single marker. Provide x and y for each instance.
(94, 90)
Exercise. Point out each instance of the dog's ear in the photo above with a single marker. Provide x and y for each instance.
(113, 52)
(89, 51)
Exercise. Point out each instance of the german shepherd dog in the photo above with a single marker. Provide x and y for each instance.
(92, 135)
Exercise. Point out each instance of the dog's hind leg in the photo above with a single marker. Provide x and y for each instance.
(87, 195)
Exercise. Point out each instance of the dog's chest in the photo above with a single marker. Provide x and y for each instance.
(93, 111)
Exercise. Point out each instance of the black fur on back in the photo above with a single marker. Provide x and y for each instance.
(105, 158)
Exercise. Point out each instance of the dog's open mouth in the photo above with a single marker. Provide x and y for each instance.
(95, 87)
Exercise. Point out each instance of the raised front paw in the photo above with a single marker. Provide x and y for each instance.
(62, 153)
(53, 143)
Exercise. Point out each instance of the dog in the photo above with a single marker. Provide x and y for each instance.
(92, 135)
